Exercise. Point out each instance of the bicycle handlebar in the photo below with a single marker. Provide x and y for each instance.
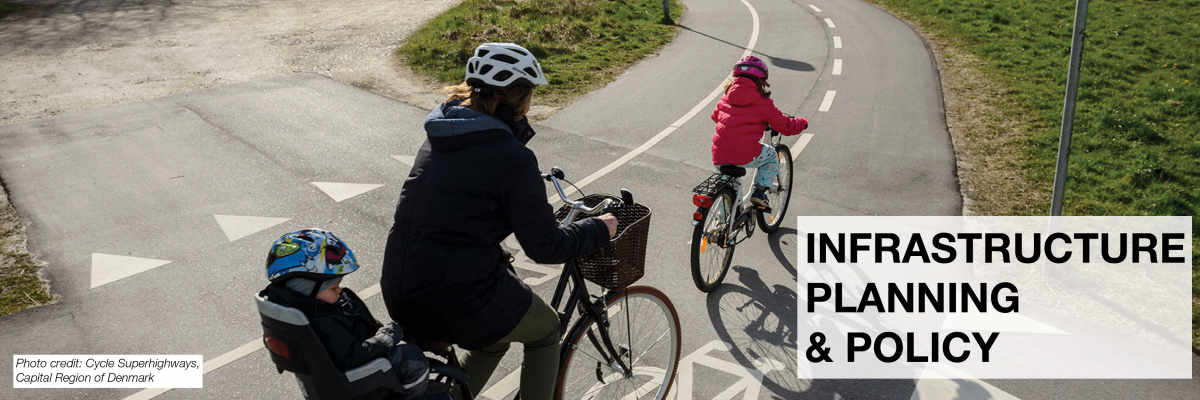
(607, 205)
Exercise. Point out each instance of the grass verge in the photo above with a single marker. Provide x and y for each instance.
(20, 286)
(6, 8)
(1135, 146)
(581, 44)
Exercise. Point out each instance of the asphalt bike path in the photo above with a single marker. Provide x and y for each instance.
(164, 170)
(204, 181)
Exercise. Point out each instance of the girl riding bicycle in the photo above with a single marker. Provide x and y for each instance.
(742, 115)
(445, 275)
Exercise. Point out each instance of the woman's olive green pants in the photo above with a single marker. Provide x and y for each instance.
(538, 331)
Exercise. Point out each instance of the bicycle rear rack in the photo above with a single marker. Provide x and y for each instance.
(714, 183)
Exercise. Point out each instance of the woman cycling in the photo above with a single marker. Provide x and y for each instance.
(473, 183)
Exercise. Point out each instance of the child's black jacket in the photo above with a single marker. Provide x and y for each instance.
(351, 336)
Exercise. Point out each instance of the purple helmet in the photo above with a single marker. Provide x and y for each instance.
(750, 66)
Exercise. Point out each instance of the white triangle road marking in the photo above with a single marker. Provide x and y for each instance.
(342, 191)
(107, 268)
(238, 226)
(407, 160)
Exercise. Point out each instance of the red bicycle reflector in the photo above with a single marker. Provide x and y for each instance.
(697, 216)
(277, 346)
(701, 201)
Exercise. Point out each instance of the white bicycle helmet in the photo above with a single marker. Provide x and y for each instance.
(500, 65)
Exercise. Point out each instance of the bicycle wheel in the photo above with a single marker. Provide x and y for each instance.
(644, 328)
(780, 193)
(711, 251)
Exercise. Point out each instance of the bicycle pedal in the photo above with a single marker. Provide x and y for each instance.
(762, 208)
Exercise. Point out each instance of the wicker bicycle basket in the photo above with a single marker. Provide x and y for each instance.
(622, 261)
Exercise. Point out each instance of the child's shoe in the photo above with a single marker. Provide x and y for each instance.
(759, 198)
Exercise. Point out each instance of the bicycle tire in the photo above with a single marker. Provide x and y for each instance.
(704, 252)
(578, 377)
(779, 196)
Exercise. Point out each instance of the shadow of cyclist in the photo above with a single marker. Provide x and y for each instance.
(783, 244)
(760, 322)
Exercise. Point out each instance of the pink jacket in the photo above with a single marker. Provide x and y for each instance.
(741, 116)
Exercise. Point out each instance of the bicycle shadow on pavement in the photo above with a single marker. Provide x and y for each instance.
(783, 243)
(760, 322)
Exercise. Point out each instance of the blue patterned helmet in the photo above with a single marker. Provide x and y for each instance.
(309, 253)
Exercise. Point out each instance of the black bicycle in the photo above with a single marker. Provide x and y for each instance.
(626, 342)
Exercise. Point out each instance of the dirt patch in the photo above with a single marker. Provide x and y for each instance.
(68, 56)
(61, 57)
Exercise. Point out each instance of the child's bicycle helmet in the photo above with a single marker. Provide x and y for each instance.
(314, 254)
(750, 66)
(497, 66)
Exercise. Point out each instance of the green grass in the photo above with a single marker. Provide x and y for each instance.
(581, 44)
(20, 287)
(1136, 142)
(6, 8)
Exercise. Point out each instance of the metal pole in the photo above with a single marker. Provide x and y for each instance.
(666, 10)
(1064, 138)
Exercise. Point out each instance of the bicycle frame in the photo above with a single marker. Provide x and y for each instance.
(743, 215)
(579, 293)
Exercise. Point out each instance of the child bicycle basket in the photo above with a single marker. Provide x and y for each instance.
(622, 261)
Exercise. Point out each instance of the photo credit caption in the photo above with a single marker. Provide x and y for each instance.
(108, 371)
(994, 297)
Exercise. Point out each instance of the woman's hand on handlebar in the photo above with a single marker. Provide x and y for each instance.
(611, 222)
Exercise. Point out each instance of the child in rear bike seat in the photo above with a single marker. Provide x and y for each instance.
(742, 116)
(306, 268)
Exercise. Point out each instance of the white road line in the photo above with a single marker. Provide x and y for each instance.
(837, 66)
(506, 386)
(801, 144)
(830, 23)
(837, 42)
(675, 125)
(814, 8)
(828, 101)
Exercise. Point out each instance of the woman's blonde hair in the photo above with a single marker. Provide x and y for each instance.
(764, 88)
(517, 96)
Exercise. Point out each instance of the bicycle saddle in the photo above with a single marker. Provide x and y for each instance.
(733, 170)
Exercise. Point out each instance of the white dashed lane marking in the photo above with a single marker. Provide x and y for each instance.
(830, 23)
(814, 8)
(825, 104)
(837, 42)
(837, 66)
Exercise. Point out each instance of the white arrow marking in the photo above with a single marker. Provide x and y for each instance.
(342, 191)
(108, 268)
(407, 160)
(237, 226)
